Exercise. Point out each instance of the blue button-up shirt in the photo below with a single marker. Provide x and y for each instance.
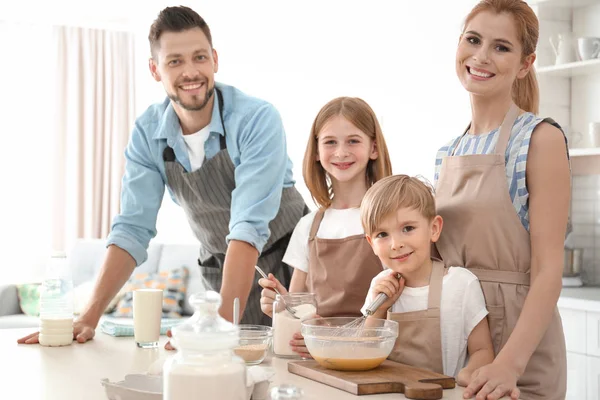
(256, 144)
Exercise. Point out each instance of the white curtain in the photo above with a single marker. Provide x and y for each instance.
(95, 112)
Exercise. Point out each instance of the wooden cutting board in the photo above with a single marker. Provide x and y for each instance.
(389, 377)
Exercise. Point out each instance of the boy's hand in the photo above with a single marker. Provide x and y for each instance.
(267, 296)
(391, 286)
(464, 377)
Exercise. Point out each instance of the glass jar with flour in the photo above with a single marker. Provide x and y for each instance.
(205, 365)
(285, 325)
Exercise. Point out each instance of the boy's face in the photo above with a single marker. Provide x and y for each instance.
(403, 240)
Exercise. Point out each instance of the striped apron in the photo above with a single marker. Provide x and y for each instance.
(205, 196)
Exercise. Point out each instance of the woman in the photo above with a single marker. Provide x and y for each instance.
(503, 190)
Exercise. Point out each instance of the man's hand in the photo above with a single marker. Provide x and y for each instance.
(238, 277)
(82, 332)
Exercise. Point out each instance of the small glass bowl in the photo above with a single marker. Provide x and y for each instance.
(255, 341)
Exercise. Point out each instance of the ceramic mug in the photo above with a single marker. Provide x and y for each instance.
(573, 137)
(588, 48)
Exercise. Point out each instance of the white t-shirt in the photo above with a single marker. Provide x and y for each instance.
(195, 146)
(462, 308)
(336, 224)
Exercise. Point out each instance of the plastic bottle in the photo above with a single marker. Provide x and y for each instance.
(56, 303)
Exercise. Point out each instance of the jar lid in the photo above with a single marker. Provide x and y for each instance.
(206, 330)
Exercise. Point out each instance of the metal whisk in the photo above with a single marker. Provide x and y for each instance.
(354, 328)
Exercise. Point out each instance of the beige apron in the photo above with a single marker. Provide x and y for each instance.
(340, 272)
(483, 232)
(419, 341)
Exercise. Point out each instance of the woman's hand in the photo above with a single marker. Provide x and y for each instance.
(492, 382)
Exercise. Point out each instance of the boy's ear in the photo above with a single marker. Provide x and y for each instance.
(436, 228)
(369, 240)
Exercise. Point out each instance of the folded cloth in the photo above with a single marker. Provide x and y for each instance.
(124, 326)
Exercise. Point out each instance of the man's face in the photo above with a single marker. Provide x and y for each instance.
(186, 65)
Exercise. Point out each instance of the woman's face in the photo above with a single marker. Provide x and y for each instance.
(489, 55)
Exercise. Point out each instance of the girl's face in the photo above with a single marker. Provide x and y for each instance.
(344, 150)
(489, 55)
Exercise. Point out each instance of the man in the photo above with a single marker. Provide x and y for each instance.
(222, 155)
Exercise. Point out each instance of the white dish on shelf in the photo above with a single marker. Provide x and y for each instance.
(584, 151)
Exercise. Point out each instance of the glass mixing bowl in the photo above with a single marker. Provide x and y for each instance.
(359, 348)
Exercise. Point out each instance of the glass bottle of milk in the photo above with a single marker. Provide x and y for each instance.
(285, 325)
(56, 303)
(205, 365)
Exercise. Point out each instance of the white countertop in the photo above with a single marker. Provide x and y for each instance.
(74, 372)
(585, 298)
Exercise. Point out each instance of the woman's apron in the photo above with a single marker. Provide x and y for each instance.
(483, 233)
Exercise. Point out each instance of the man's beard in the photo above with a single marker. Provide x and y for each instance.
(193, 107)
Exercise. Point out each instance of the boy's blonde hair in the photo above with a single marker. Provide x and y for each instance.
(361, 115)
(391, 194)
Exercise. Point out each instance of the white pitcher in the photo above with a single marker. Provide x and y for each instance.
(564, 48)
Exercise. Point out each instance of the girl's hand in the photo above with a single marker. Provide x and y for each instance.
(391, 286)
(267, 296)
(299, 346)
(493, 381)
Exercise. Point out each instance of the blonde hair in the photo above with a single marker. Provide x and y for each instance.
(392, 194)
(525, 91)
(361, 115)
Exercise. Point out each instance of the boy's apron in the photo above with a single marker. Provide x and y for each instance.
(205, 196)
(483, 232)
(340, 272)
(419, 341)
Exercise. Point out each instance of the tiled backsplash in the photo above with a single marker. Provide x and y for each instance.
(585, 217)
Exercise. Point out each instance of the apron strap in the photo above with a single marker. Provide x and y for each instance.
(510, 277)
(222, 142)
(506, 129)
(435, 286)
(458, 139)
(314, 228)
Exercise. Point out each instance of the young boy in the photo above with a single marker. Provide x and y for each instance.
(440, 311)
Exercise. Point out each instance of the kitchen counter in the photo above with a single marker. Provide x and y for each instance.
(585, 298)
(74, 372)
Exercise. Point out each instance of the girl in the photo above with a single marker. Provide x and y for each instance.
(346, 154)
(503, 190)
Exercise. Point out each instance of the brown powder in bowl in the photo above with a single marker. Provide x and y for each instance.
(251, 352)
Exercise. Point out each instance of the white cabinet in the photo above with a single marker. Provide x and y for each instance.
(576, 376)
(574, 325)
(593, 378)
(593, 334)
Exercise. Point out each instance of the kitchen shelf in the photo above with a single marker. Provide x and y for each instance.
(569, 70)
(563, 3)
(591, 151)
